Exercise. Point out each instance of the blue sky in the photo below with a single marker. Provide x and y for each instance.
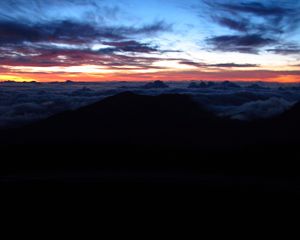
(98, 40)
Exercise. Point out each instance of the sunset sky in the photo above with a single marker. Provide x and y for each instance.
(108, 40)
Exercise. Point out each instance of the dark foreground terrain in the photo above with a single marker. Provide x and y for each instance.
(165, 140)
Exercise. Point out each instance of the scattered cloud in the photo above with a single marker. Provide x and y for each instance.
(241, 26)
(72, 42)
(220, 65)
(97, 40)
(236, 65)
(240, 43)
(286, 49)
(255, 24)
(70, 32)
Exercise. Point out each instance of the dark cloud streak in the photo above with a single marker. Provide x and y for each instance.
(39, 44)
(240, 43)
(221, 65)
(241, 25)
(71, 32)
(257, 25)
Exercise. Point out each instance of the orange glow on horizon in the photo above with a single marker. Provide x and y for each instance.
(233, 75)
(16, 78)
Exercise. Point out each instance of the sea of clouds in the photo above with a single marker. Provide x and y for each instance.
(22, 103)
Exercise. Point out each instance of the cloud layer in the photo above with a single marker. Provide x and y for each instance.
(22, 103)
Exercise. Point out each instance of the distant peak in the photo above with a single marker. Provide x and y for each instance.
(156, 84)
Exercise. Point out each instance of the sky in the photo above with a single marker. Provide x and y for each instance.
(133, 40)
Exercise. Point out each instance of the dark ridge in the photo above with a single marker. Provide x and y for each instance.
(166, 139)
(125, 118)
(165, 105)
(291, 115)
(129, 118)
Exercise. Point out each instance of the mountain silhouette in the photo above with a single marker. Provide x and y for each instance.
(291, 115)
(285, 128)
(169, 119)
(156, 84)
(163, 134)
(123, 118)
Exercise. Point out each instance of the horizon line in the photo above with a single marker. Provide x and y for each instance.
(145, 81)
